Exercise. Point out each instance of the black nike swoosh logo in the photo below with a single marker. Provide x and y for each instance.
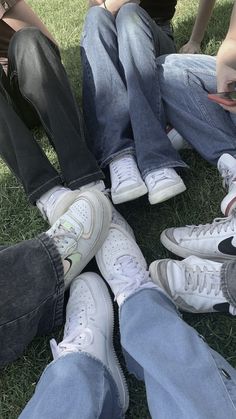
(226, 247)
(222, 307)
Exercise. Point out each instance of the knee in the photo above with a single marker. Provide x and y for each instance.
(129, 12)
(26, 40)
(171, 68)
(97, 19)
(130, 19)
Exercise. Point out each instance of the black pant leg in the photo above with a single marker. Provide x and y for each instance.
(20, 150)
(36, 72)
(32, 293)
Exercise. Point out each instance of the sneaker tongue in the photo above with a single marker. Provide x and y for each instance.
(70, 223)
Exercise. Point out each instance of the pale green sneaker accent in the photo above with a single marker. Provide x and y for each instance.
(81, 231)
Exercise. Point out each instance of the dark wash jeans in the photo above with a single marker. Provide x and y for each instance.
(37, 90)
(121, 94)
(32, 294)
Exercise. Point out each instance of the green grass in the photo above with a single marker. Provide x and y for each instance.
(200, 203)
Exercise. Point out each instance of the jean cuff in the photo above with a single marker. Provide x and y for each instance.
(228, 283)
(106, 161)
(58, 268)
(167, 165)
(37, 193)
(92, 177)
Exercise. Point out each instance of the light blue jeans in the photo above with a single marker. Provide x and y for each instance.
(184, 378)
(121, 96)
(185, 81)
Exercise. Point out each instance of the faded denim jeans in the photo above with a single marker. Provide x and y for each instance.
(185, 80)
(184, 378)
(121, 95)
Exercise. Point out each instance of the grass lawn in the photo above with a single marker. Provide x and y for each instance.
(200, 203)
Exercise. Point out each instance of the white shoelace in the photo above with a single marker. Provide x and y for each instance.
(227, 175)
(202, 280)
(217, 225)
(77, 337)
(62, 237)
(125, 169)
(161, 174)
(130, 275)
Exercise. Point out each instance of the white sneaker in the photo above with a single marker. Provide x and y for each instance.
(122, 264)
(216, 241)
(118, 219)
(227, 168)
(89, 328)
(80, 232)
(177, 141)
(163, 184)
(57, 204)
(193, 284)
(126, 181)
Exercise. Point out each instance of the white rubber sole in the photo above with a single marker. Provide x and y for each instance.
(113, 362)
(184, 252)
(167, 193)
(129, 195)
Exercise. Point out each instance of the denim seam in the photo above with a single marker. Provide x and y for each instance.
(47, 243)
(44, 184)
(108, 160)
(224, 284)
(78, 180)
(221, 379)
(57, 265)
(166, 166)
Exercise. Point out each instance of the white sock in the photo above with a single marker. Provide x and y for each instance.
(46, 203)
(98, 185)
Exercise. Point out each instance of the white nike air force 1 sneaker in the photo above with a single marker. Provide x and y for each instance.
(89, 328)
(193, 284)
(121, 262)
(80, 232)
(227, 168)
(126, 181)
(216, 241)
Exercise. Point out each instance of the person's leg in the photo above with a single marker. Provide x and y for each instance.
(20, 151)
(181, 376)
(32, 293)
(106, 106)
(38, 77)
(184, 378)
(185, 81)
(32, 278)
(140, 41)
(105, 100)
(85, 379)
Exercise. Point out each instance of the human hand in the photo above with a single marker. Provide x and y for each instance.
(226, 70)
(191, 47)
